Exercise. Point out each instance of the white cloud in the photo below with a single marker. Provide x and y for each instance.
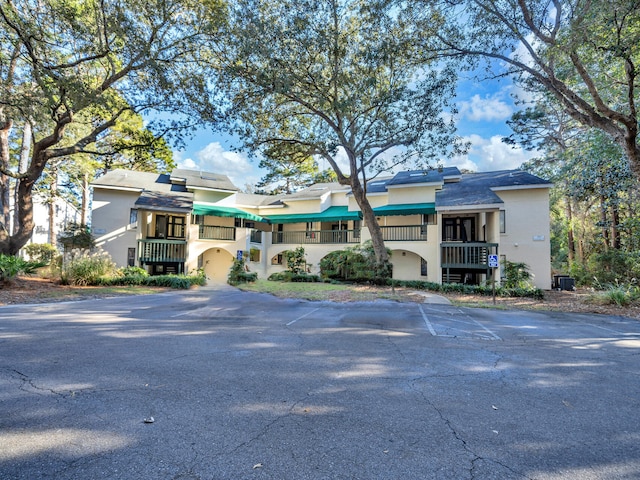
(490, 108)
(214, 158)
(488, 154)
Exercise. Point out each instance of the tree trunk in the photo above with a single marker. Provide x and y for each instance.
(604, 222)
(84, 208)
(615, 232)
(5, 180)
(53, 194)
(11, 244)
(23, 165)
(571, 244)
(382, 257)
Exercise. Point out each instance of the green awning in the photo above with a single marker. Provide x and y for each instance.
(405, 209)
(221, 211)
(331, 214)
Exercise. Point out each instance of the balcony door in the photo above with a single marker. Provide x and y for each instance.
(459, 229)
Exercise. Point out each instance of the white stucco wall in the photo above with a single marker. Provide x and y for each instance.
(110, 223)
(526, 238)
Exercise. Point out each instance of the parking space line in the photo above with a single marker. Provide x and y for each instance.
(495, 337)
(427, 322)
(302, 316)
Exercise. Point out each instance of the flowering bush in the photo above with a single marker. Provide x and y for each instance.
(82, 267)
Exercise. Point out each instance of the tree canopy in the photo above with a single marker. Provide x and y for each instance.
(583, 52)
(74, 69)
(336, 79)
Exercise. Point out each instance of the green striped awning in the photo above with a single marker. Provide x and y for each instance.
(405, 209)
(222, 211)
(331, 214)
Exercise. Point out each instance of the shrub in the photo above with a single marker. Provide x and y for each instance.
(133, 271)
(501, 291)
(41, 252)
(293, 277)
(239, 273)
(617, 294)
(296, 262)
(516, 275)
(356, 264)
(12, 266)
(81, 267)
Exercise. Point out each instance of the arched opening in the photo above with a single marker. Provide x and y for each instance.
(217, 263)
(408, 266)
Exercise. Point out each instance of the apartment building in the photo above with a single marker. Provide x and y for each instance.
(440, 225)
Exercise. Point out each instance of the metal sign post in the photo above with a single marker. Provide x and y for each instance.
(493, 264)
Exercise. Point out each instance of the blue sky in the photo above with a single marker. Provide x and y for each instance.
(484, 107)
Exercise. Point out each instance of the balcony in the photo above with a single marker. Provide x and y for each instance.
(156, 251)
(404, 233)
(256, 236)
(214, 232)
(474, 255)
(316, 237)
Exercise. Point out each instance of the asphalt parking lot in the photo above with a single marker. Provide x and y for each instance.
(220, 384)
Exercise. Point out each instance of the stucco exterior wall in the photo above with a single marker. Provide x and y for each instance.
(418, 194)
(526, 238)
(110, 223)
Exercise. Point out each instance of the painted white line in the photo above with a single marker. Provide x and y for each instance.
(495, 337)
(301, 317)
(426, 320)
(606, 329)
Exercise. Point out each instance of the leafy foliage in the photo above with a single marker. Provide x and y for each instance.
(288, 276)
(501, 291)
(82, 267)
(325, 79)
(41, 252)
(239, 273)
(516, 275)
(355, 264)
(296, 261)
(77, 236)
(12, 266)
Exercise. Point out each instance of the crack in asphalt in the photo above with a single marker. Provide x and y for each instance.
(475, 457)
(26, 380)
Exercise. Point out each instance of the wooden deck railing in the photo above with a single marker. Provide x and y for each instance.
(473, 255)
(162, 250)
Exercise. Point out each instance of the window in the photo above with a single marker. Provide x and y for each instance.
(429, 219)
(131, 257)
(176, 227)
(197, 219)
(309, 230)
(277, 260)
(503, 221)
(357, 226)
(423, 267)
(133, 216)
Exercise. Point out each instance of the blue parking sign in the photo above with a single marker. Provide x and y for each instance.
(493, 261)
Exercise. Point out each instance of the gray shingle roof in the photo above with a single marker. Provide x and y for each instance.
(424, 176)
(478, 188)
(120, 178)
(199, 179)
(181, 202)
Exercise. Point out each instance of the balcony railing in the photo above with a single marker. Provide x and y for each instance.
(256, 236)
(162, 250)
(214, 232)
(467, 255)
(404, 233)
(316, 237)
